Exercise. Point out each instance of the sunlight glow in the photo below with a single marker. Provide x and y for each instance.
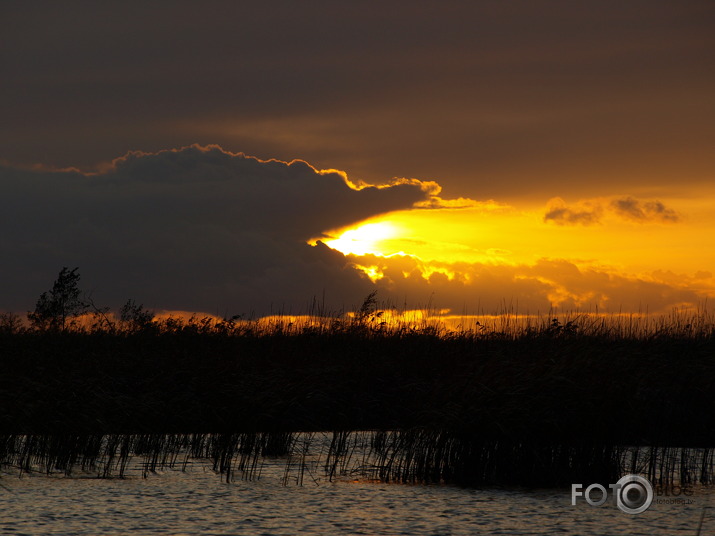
(617, 261)
(364, 239)
(373, 272)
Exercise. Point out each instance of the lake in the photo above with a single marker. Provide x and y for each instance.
(198, 501)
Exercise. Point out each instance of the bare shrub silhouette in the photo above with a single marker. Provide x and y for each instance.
(57, 309)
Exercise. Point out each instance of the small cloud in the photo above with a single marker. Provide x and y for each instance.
(588, 212)
(649, 211)
(584, 213)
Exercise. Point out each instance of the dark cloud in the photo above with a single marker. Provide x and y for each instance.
(196, 229)
(649, 211)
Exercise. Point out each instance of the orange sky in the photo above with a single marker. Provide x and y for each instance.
(669, 241)
(552, 153)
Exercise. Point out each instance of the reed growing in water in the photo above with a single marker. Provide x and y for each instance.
(415, 456)
(508, 400)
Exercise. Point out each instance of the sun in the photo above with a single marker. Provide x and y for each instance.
(364, 239)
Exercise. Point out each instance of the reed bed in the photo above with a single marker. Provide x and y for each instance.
(400, 456)
(487, 399)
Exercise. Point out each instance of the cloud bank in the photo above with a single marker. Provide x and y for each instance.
(476, 288)
(197, 228)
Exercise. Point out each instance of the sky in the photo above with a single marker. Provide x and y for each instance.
(246, 158)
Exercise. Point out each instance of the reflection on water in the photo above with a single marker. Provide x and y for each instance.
(199, 502)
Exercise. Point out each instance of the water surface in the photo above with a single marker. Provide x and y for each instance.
(198, 501)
